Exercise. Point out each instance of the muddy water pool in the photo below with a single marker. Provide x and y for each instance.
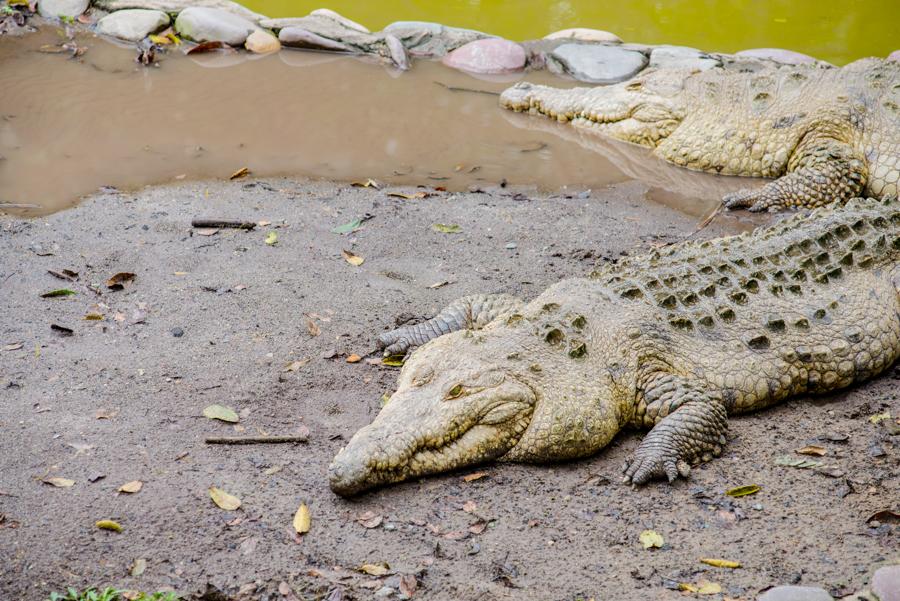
(70, 126)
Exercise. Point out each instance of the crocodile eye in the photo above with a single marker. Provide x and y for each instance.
(455, 392)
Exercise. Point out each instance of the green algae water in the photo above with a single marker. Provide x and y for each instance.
(837, 31)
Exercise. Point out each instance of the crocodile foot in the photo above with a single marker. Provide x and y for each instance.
(755, 201)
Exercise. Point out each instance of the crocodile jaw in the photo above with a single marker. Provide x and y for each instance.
(406, 442)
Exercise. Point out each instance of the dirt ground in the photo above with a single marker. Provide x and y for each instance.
(120, 399)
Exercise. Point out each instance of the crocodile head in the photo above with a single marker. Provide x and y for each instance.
(643, 111)
(464, 399)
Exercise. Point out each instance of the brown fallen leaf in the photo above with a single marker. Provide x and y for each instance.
(13, 346)
(475, 476)
(369, 519)
(59, 482)
(478, 527)
(118, 281)
(242, 172)
(131, 487)
(409, 196)
(469, 506)
(369, 183)
(884, 516)
(208, 47)
(352, 258)
(103, 414)
(223, 499)
(354, 358)
(65, 274)
(408, 585)
(93, 316)
(312, 327)
(812, 450)
(302, 519)
(295, 365)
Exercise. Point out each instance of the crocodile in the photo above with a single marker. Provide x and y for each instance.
(675, 341)
(827, 134)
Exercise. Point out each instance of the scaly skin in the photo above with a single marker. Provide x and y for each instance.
(826, 134)
(674, 341)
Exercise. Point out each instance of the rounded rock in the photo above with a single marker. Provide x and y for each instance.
(795, 593)
(132, 24)
(894, 56)
(584, 34)
(779, 55)
(596, 64)
(886, 583)
(202, 24)
(62, 8)
(349, 24)
(262, 42)
(490, 56)
(681, 57)
(298, 37)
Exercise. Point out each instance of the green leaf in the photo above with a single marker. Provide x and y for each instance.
(743, 491)
(347, 227)
(446, 228)
(221, 413)
(271, 238)
(57, 293)
(651, 539)
(788, 461)
(393, 360)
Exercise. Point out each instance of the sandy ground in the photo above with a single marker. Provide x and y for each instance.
(121, 400)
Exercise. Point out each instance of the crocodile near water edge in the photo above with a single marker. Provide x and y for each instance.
(675, 340)
(826, 133)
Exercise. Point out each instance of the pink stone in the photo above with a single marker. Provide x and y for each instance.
(492, 55)
(788, 57)
(894, 56)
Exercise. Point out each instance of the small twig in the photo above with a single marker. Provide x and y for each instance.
(222, 223)
(472, 90)
(703, 224)
(256, 439)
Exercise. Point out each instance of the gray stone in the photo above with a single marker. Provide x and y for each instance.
(176, 6)
(132, 24)
(795, 593)
(212, 24)
(584, 35)
(325, 27)
(432, 40)
(327, 12)
(894, 56)
(681, 57)
(886, 583)
(594, 63)
(62, 8)
(779, 55)
(398, 52)
(297, 37)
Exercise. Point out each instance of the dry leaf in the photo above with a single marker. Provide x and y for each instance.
(375, 569)
(93, 316)
(295, 365)
(478, 527)
(788, 461)
(875, 419)
(408, 196)
(437, 285)
(369, 520)
(369, 183)
(469, 506)
(408, 585)
(58, 293)
(475, 476)
(13, 346)
(446, 228)
(720, 563)
(102, 414)
(131, 487)
(109, 525)
(223, 499)
(812, 450)
(354, 358)
(138, 567)
(271, 238)
(242, 172)
(302, 519)
(208, 47)
(221, 413)
(353, 259)
(651, 539)
(393, 360)
(743, 491)
(312, 327)
(60, 482)
(118, 281)
(884, 516)
(205, 231)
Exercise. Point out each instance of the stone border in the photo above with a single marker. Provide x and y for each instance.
(586, 55)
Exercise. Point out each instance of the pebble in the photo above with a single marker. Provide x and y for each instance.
(795, 593)
(596, 64)
(681, 57)
(262, 42)
(62, 8)
(894, 56)
(779, 55)
(384, 592)
(212, 24)
(297, 37)
(886, 583)
(132, 24)
(490, 56)
(177, 332)
(432, 40)
(584, 34)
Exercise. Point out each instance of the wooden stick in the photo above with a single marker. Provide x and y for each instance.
(221, 223)
(255, 439)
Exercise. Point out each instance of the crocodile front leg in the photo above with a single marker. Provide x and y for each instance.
(691, 423)
(824, 168)
(469, 312)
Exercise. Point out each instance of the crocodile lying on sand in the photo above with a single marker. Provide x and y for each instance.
(827, 134)
(676, 340)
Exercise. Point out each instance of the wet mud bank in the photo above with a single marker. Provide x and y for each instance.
(269, 330)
